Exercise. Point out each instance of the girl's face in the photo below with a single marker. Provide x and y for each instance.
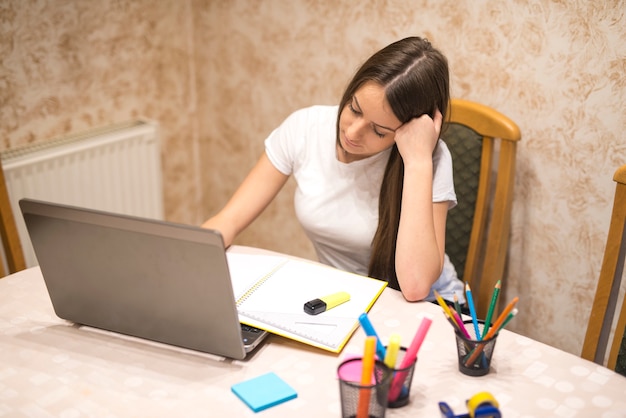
(367, 125)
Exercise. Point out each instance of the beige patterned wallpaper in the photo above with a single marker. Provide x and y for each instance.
(66, 66)
(220, 75)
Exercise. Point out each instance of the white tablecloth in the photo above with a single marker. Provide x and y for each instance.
(51, 368)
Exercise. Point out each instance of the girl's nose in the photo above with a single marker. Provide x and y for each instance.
(356, 129)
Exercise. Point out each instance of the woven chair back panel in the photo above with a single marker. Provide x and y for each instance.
(466, 147)
(620, 366)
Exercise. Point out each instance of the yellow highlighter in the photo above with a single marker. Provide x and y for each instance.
(392, 351)
(317, 306)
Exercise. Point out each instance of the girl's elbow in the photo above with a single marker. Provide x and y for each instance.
(417, 287)
(414, 293)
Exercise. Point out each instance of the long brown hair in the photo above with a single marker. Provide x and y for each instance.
(416, 81)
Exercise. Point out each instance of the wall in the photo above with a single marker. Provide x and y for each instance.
(556, 67)
(67, 66)
(220, 75)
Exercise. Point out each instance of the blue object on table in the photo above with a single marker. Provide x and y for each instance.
(264, 391)
(481, 405)
(370, 332)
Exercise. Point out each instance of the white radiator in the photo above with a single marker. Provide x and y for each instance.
(116, 169)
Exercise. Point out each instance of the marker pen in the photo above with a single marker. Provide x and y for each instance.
(317, 306)
(371, 332)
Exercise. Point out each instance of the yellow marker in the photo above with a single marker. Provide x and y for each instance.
(392, 351)
(317, 306)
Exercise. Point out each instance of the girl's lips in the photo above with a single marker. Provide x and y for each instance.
(350, 143)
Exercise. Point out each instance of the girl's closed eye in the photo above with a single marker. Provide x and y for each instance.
(379, 134)
(353, 109)
(357, 112)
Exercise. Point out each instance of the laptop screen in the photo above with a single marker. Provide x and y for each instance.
(150, 279)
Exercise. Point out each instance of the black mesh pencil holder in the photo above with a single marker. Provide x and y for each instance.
(474, 356)
(352, 391)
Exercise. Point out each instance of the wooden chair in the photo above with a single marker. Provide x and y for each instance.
(483, 145)
(8, 230)
(607, 291)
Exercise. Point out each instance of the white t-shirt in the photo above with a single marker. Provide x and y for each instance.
(336, 202)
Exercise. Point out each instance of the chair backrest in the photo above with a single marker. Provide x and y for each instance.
(483, 144)
(607, 291)
(8, 230)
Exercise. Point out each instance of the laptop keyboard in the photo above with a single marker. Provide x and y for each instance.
(247, 328)
(251, 336)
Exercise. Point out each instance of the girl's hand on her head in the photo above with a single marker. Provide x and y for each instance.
(417, 139)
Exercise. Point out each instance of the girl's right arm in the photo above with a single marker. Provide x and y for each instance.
(256, 192)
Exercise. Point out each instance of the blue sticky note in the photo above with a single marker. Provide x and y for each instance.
(264, 391)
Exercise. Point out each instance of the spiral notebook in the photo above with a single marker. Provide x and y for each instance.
(271, 291)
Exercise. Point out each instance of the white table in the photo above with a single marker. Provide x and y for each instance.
(51, 368)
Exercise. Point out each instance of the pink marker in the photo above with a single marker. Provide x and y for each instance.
(409, 357)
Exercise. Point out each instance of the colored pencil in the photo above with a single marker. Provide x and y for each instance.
(452, 321)
(459, 321)
(366, 377)
(493, 330)
(503, 316)
(443, 304)
(492, 306)
(456, 305)
(448, 312)
(508, 318)
(472, 309)
(451, 315)
(455, 324)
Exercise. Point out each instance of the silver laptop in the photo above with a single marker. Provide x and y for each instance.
(150, 279)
